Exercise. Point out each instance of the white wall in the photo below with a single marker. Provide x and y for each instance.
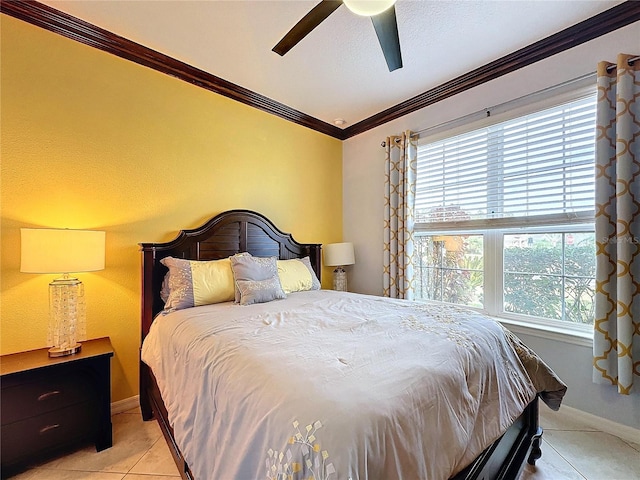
(363, 184)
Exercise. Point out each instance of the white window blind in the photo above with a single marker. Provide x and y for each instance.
(535, 167)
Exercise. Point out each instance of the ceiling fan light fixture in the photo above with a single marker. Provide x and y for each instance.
(368, 8)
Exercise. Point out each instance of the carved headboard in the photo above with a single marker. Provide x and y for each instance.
(224, 235)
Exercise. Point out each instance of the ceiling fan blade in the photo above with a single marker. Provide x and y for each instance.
(310, 21)
(387, 30)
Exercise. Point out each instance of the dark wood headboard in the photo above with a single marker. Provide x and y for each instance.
(224, 235)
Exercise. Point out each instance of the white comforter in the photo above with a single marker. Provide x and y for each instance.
(336, 386)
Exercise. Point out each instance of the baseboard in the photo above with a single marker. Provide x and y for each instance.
(123, 405)
(626, 433)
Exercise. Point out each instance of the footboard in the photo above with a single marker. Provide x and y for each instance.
(505, 458)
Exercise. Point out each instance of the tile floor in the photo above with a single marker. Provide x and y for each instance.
(571, 450)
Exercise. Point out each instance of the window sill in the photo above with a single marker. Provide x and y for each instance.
(574, 337)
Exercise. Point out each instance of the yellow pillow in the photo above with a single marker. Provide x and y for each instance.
(296, 275)
(191, 283)
(212, 282)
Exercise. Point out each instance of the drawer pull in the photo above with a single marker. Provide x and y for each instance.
(44, 430)
(44, 396)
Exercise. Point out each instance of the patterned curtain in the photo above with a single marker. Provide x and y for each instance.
(617, 188)
(400, 189)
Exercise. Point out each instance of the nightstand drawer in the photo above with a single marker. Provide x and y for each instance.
(43, 393)
(50, 431)
(49, 404)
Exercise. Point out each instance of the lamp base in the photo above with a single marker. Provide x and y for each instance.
(340, 279)
(64, 351)
(67, 316)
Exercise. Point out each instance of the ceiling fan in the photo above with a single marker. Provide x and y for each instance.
(383, 16)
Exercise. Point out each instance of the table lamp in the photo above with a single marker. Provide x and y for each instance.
(64, 251)
(338, 255)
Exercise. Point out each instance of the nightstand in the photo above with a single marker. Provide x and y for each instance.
(49, 404)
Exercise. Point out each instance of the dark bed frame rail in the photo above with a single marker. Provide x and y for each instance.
(505, 458)
(238, 231)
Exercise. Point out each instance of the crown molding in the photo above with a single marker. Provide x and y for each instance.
(56, 21)
(71, 27)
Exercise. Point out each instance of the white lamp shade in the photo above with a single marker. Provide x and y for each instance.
(50, 250)
(368, 8)
(339, 254)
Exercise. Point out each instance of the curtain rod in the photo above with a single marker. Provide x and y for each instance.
(630, 62)
(485, 112)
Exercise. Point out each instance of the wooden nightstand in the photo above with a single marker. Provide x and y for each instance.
(49, 404)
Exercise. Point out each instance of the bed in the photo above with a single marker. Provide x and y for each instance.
(328, 385)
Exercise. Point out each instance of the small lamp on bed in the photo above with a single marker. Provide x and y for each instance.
(339, 255)
(48, 250)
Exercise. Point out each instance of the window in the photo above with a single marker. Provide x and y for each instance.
(505, 216)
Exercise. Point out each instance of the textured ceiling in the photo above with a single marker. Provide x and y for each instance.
(338, 70)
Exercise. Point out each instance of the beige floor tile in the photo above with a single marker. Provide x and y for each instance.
(46, 474)
(135, 476)
(135, 410)
(550, 420)
(597, 455)
(635, 446)
(551, 466)
(157, 461)
(132, 438)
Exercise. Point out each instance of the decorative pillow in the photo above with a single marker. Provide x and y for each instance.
(164, 291)
(260, 291)
(192, 283)
(249, 268)
(297, 275)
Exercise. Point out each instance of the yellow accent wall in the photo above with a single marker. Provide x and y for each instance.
(90, 140)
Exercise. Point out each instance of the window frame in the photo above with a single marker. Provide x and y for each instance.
(493, 230)
(493, 274)
(496, 307)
